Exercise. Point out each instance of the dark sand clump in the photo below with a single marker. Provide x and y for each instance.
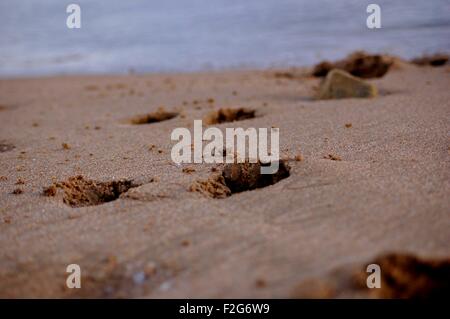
(359, 64)
(79, 192)
(17, 191)
(332, 157)
(229, 115)
(437, 59)
(239, 177)
(158, 116)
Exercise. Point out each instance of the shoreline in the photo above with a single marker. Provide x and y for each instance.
(237, 69)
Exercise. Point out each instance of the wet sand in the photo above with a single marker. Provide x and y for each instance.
(388, 192)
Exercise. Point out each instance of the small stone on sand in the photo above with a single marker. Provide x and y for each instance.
(340, 84)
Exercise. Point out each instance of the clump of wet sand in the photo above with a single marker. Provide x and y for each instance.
(78, 191)
(360, 64)
(239, 177)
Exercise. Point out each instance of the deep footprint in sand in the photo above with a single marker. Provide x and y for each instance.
(226, 115)
(401, 275)
(79, 192)
(239, 177)
(408, 276)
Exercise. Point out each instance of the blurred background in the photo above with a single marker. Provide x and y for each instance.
(177, 36)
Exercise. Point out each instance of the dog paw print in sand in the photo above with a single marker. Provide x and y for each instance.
(239, 177)
(226, 115)
(78, 191)
(159, 116)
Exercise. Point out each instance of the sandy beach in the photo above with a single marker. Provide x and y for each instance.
(368, 176)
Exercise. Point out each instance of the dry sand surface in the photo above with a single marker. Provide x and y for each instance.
(373, 177)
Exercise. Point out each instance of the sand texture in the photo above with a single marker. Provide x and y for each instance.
(86, 177)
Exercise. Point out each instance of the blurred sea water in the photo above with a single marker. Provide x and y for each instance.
(197, 35)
